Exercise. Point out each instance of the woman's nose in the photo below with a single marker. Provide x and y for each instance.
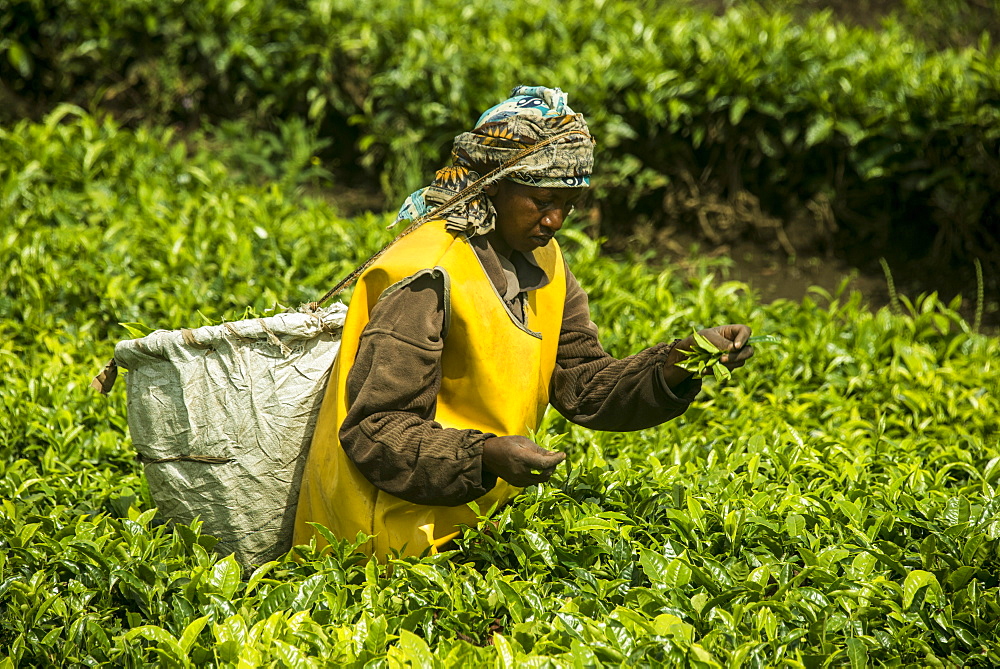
(554, 219)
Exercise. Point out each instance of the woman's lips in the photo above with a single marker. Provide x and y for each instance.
(542, 240)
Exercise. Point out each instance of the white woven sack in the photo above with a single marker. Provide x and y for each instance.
(222, 417)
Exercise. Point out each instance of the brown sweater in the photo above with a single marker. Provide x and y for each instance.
(390, 432)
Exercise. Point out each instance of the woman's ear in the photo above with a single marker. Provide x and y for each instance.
(492, 189)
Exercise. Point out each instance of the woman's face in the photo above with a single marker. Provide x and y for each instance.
(528, 216)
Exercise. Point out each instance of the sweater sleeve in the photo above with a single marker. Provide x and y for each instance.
(593, 389)
(389, 432)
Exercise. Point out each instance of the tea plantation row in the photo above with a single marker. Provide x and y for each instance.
(833, 505)
(843, 134)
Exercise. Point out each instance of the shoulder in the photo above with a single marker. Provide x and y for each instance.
(432, 278)
(407, 257)
(419, 249)
(414, 309)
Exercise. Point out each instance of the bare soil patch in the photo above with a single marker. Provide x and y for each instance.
(773, 274)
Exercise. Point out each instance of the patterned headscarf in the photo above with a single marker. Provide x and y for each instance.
(532, 114)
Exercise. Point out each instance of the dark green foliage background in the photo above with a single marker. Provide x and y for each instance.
(852, 138)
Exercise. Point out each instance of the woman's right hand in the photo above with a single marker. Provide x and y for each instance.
(731, 339)
(516, 460)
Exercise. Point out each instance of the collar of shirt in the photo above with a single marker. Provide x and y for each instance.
(511, 276)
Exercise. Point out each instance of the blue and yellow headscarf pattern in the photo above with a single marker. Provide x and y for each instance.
(531, 115)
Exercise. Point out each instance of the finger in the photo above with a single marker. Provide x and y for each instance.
(547, 472)
(523, 442)
(545, 469)
(525, 479)
(738, 358)
(737, 333)
(541, 477)
(717, 337)
(741, 335)
(543, 459)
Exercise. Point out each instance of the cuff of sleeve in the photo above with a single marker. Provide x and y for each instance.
(687, 391)
(487, 479)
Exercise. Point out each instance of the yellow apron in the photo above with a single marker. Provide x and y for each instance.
(495, 378)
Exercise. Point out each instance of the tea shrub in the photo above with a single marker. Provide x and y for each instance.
(833, 504)
(726, 124)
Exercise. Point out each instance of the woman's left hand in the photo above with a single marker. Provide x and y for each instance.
(732, 339)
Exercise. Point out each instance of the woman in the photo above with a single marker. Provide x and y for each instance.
(464, 331)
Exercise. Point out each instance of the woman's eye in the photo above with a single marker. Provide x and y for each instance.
(543, 204)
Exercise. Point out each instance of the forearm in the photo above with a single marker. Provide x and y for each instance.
(676, 379)
(604, 393)
(389, 432)
(417, 460)
(592, 388)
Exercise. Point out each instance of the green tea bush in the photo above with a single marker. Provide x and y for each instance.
(834, 504)
(946, 23)
(81, 187)
(744, 123)
(951, 22)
